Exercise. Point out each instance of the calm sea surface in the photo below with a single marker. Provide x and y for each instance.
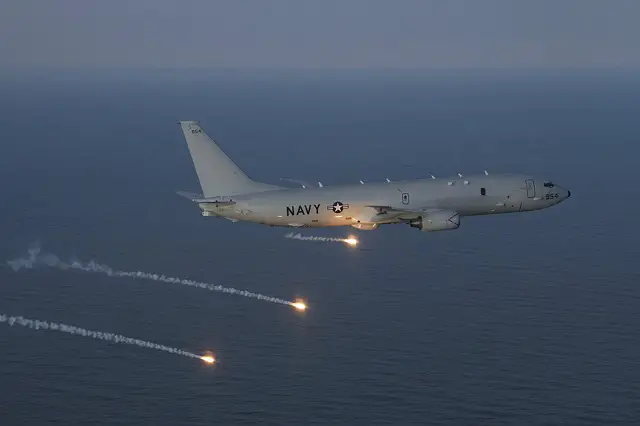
(517, 319)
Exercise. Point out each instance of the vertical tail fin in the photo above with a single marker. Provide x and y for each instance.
(217, 173)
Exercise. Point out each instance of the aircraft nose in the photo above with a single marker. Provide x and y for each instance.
(568, 193)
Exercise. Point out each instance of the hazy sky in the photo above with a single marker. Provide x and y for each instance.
(319, 33)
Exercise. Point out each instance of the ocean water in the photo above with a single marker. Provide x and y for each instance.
(527, 318)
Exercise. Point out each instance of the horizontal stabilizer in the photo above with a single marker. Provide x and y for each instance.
(189, 195)
(198, 198)
(216, 202)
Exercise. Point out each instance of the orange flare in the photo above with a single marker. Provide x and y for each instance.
(209, 359)
(299, 305)
(352, 241)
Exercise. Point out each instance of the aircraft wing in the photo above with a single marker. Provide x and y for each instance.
(390, 214)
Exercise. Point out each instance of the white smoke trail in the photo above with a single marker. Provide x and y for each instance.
(36, 259)
(100, 335)
(351, 240)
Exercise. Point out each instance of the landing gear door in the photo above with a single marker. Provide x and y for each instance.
(531, 188)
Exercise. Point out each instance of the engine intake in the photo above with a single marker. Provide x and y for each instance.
(437, 221)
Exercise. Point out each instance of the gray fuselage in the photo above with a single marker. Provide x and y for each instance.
(352, 205)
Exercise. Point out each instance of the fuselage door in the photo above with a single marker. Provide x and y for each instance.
(531, 188)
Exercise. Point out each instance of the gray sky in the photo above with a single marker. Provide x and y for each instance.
(320, 33)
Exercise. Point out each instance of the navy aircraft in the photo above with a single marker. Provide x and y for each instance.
(426, 204)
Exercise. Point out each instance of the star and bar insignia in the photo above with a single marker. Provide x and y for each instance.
(338, 207)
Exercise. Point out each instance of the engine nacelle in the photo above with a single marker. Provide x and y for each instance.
(437, 221)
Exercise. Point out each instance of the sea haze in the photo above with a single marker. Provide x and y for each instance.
(516, 319)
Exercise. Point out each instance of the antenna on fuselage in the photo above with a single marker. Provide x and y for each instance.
(432, 176)
(387, 179)
(320, 185)
(459, 175)
(486, 173)
(362, 182)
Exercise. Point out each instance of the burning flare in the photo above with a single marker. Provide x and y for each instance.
(209, 359)
(299, 305)
(37, 259)
(99, 335)
(352, 241)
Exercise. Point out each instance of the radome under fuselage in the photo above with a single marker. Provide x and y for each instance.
(347, 205)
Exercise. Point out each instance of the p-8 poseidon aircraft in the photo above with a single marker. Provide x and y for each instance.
(431, 204)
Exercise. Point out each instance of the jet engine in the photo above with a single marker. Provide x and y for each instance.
(442, 220)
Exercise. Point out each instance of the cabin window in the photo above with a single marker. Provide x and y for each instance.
(483, 191)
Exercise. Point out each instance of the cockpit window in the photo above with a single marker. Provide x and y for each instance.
(549, 184)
